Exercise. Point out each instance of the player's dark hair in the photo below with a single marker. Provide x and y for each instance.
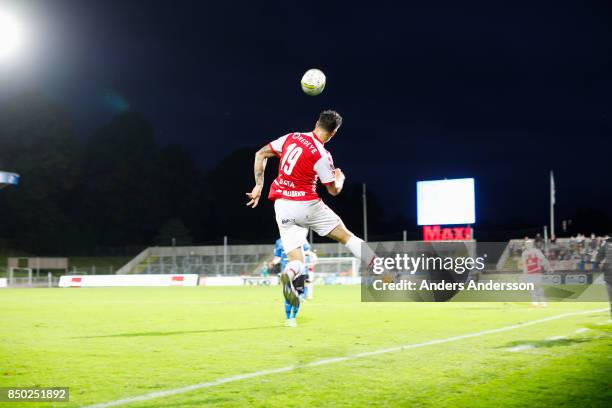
(330, 120)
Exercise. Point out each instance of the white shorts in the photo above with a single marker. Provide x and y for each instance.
(535, 278)
(294, 218)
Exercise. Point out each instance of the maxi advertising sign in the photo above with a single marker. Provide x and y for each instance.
(446, 202)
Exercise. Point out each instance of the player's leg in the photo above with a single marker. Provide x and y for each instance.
(294, 311)
(287, 310)
(299, 285)
(537, 294)
(292, 322)
(289, 321)
(309, 288)
(293, 238)
(325, 222)
(295, 265)
(540, 291)
(294, 268)
(609, 285)
(354, 244)
(534, 298)
(532, 293)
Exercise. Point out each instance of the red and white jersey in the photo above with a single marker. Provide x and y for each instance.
(534, 261)
(303, 160)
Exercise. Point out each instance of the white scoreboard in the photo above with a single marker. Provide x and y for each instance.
(444, 202)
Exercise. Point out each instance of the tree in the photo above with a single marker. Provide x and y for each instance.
(182, 184)
(37, 140)
(173, 232)
(225, 200)
(121, 198)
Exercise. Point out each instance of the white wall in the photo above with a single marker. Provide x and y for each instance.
(78, 281)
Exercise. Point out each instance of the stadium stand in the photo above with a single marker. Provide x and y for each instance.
(213, 260)
(569, 254)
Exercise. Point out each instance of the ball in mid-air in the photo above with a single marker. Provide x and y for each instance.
(313, 82)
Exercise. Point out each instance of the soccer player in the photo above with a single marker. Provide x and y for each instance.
(280, 256)
(311, 261)
(604, 257)
(303, 161)
(534, 263)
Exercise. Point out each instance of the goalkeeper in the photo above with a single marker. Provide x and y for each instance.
(281, 259)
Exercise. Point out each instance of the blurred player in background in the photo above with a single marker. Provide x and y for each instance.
(604, 257)
(303, 161)
(310, 266)
(534, 263)
(300, 283)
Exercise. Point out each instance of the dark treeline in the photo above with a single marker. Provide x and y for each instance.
(120, 189)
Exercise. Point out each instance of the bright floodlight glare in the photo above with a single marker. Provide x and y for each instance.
(11, 35)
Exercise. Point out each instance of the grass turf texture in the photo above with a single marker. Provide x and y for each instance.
(113, 343)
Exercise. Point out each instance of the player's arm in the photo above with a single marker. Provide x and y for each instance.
(544, 261)
(600, 259)
(331, 178)
(261, 157)
(524, 258)
(335, 187)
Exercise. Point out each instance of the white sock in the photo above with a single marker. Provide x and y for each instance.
(294, 269)
(360, 249)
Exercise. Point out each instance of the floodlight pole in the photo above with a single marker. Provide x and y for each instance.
(552, 204)
(11, 179)
(552, 219)
(225, 254)
(365, 213)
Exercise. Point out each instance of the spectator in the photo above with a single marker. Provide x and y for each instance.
(593, 244)
(581, 251)
(572, 243)
(539, 241)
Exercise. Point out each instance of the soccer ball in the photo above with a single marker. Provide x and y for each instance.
(313, 82)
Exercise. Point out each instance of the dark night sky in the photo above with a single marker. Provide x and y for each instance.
(501, 91)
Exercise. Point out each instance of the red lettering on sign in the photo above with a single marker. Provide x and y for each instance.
(435, 233)
(431, 233)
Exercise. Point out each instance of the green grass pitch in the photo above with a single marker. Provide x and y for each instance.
(112, 343)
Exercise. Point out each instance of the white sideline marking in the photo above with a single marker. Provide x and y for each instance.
(522, 347)
(584, 329)
(553, 338)
(221, 381)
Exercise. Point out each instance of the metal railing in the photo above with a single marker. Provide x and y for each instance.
(34, 282)
(215, 260)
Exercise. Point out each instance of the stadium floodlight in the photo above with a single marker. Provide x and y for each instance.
(11, 35)
(8, 179)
